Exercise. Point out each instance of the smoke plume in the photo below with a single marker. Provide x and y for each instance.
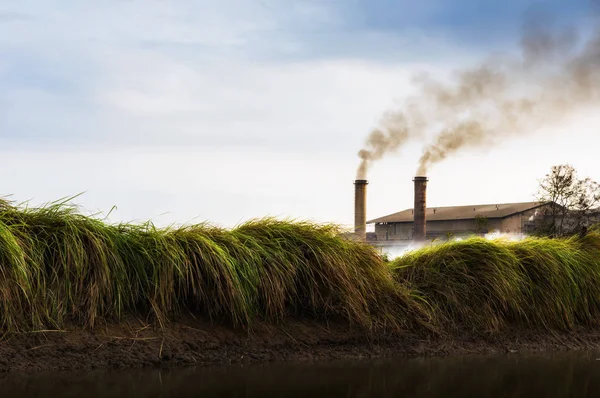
(392, 134)
(555, 73)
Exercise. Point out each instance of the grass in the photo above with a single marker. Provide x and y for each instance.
(58, 267)
(485, 286)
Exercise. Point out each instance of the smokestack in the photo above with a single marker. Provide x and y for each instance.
(420, 218)
(360, 209)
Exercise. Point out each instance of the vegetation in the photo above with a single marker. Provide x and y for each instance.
(485, 285)
(481, 224)
(58, 267)
(575, 202)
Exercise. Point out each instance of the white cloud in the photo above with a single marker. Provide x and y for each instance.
(131, 21)
(271, 103)
(225, 137)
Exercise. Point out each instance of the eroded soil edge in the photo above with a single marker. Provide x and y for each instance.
(191, 342)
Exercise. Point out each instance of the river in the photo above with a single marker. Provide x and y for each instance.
(511, 376)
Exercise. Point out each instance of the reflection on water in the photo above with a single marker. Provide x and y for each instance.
(573, 375)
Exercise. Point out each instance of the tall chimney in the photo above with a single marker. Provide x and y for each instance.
(420, 220)
(360, 209)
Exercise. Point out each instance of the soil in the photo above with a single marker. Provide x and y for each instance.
(133, 343)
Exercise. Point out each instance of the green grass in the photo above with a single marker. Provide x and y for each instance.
(485, 286)
(58, 267)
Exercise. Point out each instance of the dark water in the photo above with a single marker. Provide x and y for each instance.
(574, 375)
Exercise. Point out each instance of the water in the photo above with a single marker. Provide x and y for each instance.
(565, 375)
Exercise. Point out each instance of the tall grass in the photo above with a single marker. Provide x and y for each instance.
(484, 286)
(58, 267)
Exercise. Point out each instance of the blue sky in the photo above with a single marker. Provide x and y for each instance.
(179, 110)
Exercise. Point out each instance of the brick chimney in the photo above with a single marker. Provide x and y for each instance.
(420, 216)
(360, 209)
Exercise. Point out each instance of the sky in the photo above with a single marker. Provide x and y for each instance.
(184, 111)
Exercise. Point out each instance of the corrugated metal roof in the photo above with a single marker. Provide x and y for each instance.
(460, 212)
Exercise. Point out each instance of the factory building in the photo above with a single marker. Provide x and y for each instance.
(443, 222)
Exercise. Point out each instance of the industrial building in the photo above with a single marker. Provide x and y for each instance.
(423, 223)
(442, 222)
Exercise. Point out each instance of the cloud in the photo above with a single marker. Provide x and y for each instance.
(174, 74)
(146, 98)
(10, 16)
(162, 108)
(268, 104)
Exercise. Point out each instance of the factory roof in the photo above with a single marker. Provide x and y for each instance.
(460, 212)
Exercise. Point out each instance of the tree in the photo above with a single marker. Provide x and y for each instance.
(481, 224)
(571, 201)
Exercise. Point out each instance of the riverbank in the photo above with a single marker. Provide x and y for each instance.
(191, 342)
(211, 295)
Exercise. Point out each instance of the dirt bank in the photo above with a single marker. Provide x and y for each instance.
(192, 342)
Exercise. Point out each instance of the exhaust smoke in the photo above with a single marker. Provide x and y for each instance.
(555, 74)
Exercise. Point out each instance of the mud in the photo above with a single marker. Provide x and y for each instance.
(133, 343)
